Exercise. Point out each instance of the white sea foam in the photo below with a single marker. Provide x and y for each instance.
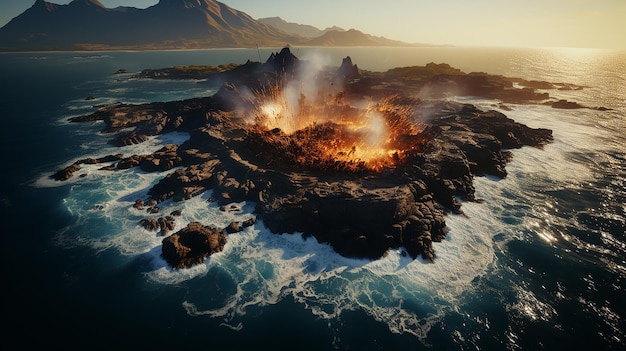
(410, 296)
(569, 164)
(574, 134)
(98, 147)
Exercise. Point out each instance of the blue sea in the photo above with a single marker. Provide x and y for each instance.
(539, 265)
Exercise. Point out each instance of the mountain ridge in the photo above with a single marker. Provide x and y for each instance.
(351, 37)
(304, 30)
(169, 24)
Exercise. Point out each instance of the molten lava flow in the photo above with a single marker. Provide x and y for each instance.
(328, 133)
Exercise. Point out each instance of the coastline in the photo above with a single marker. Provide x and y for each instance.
(414, 220)
(515, 270)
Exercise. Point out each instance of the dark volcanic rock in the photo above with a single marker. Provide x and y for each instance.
(361, 212)
(347, 70)
(150, 224)
(191, 245)
(436, 81)
(236, 227)
(284, 61)
(67, 172)
(152, 119)
(185, 183)
(163, 224)
(166, 224)
(359, 218)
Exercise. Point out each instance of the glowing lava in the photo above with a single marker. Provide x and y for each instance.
(327, 132)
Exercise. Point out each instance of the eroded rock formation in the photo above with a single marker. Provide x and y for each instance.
(192, 244)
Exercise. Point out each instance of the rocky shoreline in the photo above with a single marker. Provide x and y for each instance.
(360, 212)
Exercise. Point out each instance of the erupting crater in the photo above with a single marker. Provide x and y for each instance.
(359, 163)
(332, 135)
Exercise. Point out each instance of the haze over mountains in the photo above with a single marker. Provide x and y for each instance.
(170, 24)
(303, 30)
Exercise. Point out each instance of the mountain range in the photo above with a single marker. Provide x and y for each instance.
(303, 30)
(169, 24)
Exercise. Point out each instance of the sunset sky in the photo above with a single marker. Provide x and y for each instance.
(528, 23)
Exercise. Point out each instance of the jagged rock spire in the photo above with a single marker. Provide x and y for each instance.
(284, 61)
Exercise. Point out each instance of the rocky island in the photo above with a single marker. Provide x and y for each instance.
(363, 161)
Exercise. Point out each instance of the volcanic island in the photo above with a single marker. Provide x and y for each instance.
(363, 161)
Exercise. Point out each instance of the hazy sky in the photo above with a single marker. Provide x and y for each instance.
(523, 23)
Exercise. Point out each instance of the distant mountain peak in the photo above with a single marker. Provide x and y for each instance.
(303, 30)
(352, 37)
(169, 24)
(87, 3)
(44, 5)
(189, 4)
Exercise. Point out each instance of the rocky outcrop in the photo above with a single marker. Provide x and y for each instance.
(134, 124)
(359, 218)
(184, 72)
(346, 71)
(360, 212)
(162, 224)
(192, 245)
(67, 172)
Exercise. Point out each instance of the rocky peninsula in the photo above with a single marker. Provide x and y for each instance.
(316, 179)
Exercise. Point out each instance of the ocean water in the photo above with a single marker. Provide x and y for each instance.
(540, 264)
